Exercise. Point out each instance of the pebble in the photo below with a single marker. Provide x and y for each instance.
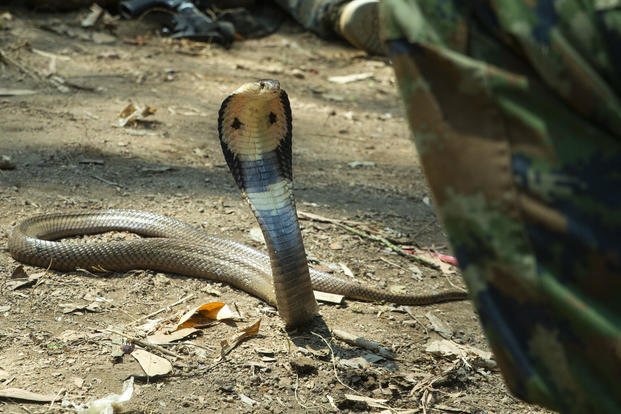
(6, 163)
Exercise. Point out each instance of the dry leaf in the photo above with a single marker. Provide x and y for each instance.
(361, 361)
(133, 113)
(336, 245)
(20, 279)
(160, 338)
(245, 333)
(346, 270)
(150, 325)
(247, 400)
(439, 326)
(78, 382)
(152, 364)
(251, 330)
(19, 394)
(71, 308)
(93, 17)
(371, 402)
(356, 363)
(19, 273)
(205, 314)
(466, 353)
(257, 235)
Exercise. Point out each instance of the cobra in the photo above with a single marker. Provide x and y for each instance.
(255, 130)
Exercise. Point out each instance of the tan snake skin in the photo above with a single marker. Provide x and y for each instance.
(262, 168)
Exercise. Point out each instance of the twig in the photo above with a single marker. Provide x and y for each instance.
(5, 58)
(392, 263)
(336, 375)
(367, 235)
(40, 281)
(453, 284)
(390, 245)
(304, 215)
(448, 409)
(20, 406)
(50, 55)
(206, 348)
(103, 180)
(423, 228)
(78, 86)
(361, 342)
(165, 308)
(143, 343)
(56, 397)
(295, 392)
(408, 310)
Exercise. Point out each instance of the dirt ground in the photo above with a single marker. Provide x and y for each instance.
(62, 88)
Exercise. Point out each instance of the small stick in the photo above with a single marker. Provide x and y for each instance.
(390, 245)
(56, 397)
(367, 235)
(20, 406)
(165, 308)
(392, 263)
(4, 57)
(103, 180)
(206, 348)
(304, 215)
(453, 284)
(295, 392)
(363, 343)
(143, 343)
(423, 228)
(336, 375)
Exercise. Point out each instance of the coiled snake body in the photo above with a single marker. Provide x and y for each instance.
(255, 132)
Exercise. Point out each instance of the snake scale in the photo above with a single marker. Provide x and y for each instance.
(255, 131)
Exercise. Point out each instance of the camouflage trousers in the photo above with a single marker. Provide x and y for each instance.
(516, 115)
(318, 16)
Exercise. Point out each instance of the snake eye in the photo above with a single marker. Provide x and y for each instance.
(272, 118)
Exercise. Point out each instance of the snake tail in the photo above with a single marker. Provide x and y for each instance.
(255, 129)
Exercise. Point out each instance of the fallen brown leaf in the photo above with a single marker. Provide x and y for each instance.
(245, 333)
(371, 402)
(20, 278)
(205, 314)
(133, 113)
(152, 364)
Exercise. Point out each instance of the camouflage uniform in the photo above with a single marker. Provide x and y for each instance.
(318, 16)
(516, 113)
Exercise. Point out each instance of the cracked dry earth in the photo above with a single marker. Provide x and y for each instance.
(353, 160)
